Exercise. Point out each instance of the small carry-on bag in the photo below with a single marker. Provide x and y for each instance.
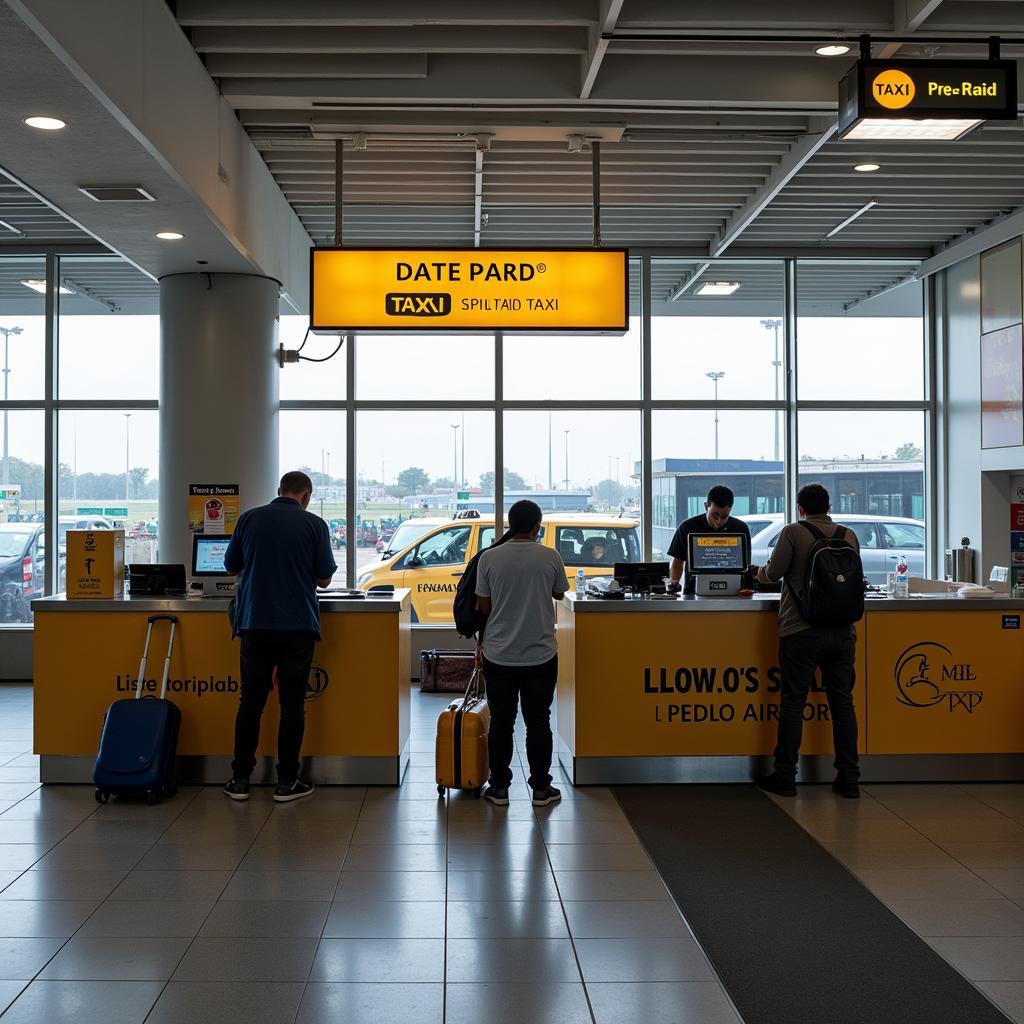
(445, 671)
(461, 750)
(140, 737)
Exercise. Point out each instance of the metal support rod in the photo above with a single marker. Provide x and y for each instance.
(339, 189)
(499, 434)
(51, 455)
(595, 166)
(646, 414)
(351, 478)
(789, 337)
(993, 47)
(865, 47)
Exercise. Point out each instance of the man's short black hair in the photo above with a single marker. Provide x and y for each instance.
(721, 497)
(814, 499)
(295, 482)
(523, 516)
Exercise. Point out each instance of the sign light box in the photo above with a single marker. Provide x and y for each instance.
(925, 99)
(548, 290)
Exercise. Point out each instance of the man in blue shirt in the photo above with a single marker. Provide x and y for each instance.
(282, 553)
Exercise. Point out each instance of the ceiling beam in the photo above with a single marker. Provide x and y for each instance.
(907, 16)
(821, 130)
(608, 16)
(317, 65)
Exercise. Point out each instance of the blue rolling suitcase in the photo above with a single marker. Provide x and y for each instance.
(140, 737)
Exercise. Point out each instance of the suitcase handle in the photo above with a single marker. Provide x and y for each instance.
(145, 655)
(474, 680)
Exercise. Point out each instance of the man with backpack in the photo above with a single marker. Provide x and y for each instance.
(822, 578)
(515, 585)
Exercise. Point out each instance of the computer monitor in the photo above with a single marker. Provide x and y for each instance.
(208, 556)
(640, 576)
(717, 554)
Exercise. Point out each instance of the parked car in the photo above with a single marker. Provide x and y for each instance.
(65, 523)
(22, 561)
(882, 540)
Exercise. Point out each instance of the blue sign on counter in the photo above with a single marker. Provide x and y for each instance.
(1017, 540)
(1011, 622)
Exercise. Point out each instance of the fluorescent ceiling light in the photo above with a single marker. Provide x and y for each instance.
(170, 236)
(40, 286)
(907, 128)
(866, 168)
(849, 220)
(832, 50)
(46, 124)
(717, 287)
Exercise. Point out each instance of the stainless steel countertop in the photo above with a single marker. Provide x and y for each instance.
(770, 603)
(198, 603)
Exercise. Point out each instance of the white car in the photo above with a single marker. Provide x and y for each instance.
(882, 540)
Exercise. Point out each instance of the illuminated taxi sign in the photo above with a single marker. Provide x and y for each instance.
(548, 290)
(925, 99)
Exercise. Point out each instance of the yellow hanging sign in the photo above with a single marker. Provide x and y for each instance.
(443, 290)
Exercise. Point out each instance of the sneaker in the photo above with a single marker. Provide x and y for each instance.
(237, 789)
(497, 796)
(780, 785)
(848, 789)
(287, 791)
(545, 796)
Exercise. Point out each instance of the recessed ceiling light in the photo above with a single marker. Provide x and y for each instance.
(911, 128)
(718, 287)
(867, 168)
(832, 50)
(169, 236)
(47, 124)
(40, 286)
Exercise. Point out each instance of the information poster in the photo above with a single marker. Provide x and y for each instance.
(213, 508)
(1002, 375)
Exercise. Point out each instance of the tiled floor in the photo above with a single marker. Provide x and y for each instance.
(375, 906)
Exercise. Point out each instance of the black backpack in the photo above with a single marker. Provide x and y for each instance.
(468, 621)
(833, 591)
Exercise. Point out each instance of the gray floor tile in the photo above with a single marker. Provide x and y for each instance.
(82, 857)
(533, 961)
(149, 918)
(22, 958)
(296, 856)
(187, 857)
(244, 958)
(984, 959)
(465, 886)
(505, 919)
(266, 919)
(9, 991)
(1007, 881)
(43, 832)
(315, 833)
(228, 1002)
(74, 1002)
(281, 885)
(106, 959)
(400, 857)
(610, 885)
(517, 1003)
(97, 831)
(405, 886)
(698, 1002)
(611, 919)
(961, 917)
(1007, 995)
(21, 856)
(405, 810)
(987, 855)
(379, 960)
(171, 885)
(431, 832)
(637, 960)
(17, 790)
(6, 877)
(43, 918)
(926, 883)
(599, 857)
(992, 829)
(494, 833)
(880, 855)
(574, 831)
(381, 919)
(504, 858)
(379, 1003)
(62, 885)
(482, 810)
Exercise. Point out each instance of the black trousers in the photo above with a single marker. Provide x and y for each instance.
(290, 651)
(833, 651)
(534, 687)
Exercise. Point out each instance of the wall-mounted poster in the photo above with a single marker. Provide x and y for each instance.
(1002, 389)
(213, 508)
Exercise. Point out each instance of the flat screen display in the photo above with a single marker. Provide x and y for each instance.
(208, 556)
(717, 553)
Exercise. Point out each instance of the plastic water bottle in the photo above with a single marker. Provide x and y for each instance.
(901, 590)
(581, 583)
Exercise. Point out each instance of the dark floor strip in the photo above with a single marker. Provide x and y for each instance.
(793, 935)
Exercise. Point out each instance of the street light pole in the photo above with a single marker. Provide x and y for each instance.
(7, 332)
(567, 460)
(462, 462)
(716, 376)
(774, 325)
(127, 455)
(550, 481)
(455, 464)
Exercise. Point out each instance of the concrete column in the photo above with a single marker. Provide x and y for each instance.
(218, 394)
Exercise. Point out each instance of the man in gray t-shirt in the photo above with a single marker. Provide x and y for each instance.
(516, 583)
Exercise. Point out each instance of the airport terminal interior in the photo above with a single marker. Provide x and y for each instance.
(443, 258)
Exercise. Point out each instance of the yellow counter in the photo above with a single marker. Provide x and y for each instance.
(357, 713)
(687, 690)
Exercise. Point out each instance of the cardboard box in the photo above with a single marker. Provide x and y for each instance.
(95, 563)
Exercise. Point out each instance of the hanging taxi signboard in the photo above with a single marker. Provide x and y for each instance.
(443, 290)
(925, 99)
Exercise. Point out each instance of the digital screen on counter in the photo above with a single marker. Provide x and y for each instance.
(208, 556)
(717, 553)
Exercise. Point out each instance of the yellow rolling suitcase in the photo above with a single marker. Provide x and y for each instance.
(461, 747)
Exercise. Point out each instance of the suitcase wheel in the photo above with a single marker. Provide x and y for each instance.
(476, 794)
(102, 796)
(152, 797)
(441, 790)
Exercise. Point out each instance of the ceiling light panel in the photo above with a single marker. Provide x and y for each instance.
(717, 287)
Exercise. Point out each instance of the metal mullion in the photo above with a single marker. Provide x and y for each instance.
(932, 443)
(865, 405)
(791, 453)
(100, 405)
(51, 462)
(351, 476)
(595, 405)
(23, 404)
(415, 405)
(499, 434)
(646, 415)
(699, 404)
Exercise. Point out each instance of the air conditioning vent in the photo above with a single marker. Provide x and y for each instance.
(116, 193)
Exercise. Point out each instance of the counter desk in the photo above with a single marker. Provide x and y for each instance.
(687, 690)
(87, 655)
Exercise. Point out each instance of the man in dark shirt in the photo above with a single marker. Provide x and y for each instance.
(716, 518)
(283, 553)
